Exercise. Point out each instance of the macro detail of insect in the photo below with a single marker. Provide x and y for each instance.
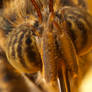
(47, 36)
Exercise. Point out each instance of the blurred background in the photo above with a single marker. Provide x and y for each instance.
(89, 3)
(86, 84)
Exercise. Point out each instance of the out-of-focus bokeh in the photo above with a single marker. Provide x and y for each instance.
(86, 85)
(86, 82)
(89, 3)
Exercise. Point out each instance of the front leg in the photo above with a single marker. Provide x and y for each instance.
(49, 59)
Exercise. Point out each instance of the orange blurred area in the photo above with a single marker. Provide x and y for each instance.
(89, 3)
(86, 85)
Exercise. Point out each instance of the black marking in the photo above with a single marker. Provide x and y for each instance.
(33, 77)
(13, 50)
(2, 54)
(7, 26)
(28, 40)
(69, 24)
(58, 15)
(10, 39)
(71, 31)
(31, 54)
(79, 15)
(71, 17)
(82, 29)
(14, 42)
(1, 6)
(82, 15)
(19, 49)
(36, 24)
